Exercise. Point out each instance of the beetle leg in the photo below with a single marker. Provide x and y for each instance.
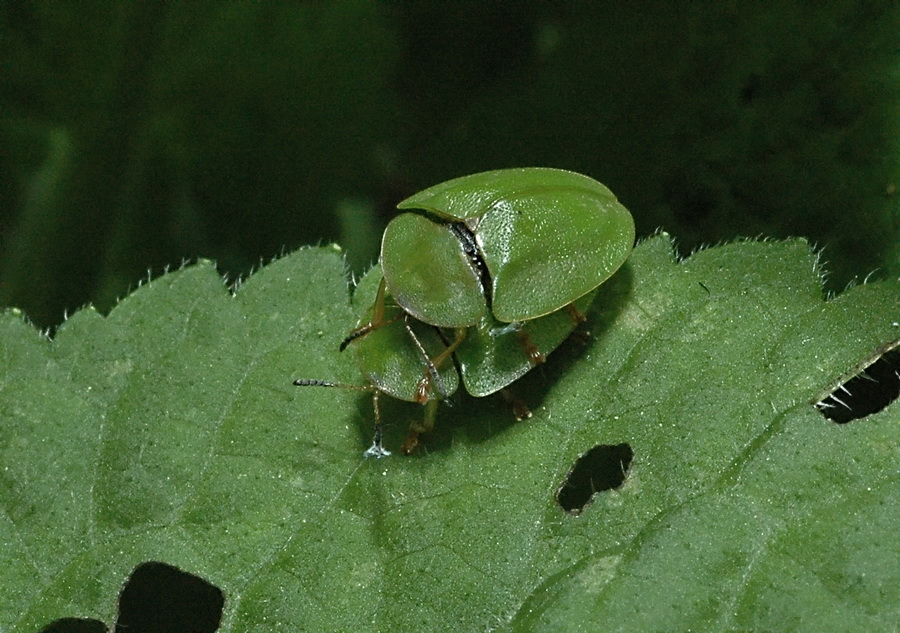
(581, 335)
(576, 314)
(377, 450)
(459, 335)
(423, 388)
(519, 408)
(377, 320)
(417, 428)
(432, 376)
(535, 357)
(534, 354)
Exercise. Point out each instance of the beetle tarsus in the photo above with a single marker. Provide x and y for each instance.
(581, 337)
(576, 315)
(410, 443)
(519, 408)
(377, 451)
(423, 388)
(531, 350)
(417, 428)
(412, 440)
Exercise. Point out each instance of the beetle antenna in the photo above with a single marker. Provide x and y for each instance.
(433, 374)
(377, 449)
(355, 334)
(312, 382)
(451, 346)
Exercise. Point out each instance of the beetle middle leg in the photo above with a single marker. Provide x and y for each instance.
(423, 389)
(417, 428)
(531, 350)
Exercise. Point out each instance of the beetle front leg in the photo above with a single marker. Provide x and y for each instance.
(377, 450)
(459, 335)
(377, 320)
(431, 375)
(417, 428)
(434, 364)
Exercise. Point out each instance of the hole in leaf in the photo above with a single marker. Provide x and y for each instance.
(160, 598)
(875, 385)
(75, 625)
(602, 468)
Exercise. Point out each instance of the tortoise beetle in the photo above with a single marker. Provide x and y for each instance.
(485, 274)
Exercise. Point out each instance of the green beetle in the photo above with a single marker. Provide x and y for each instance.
(489, 272)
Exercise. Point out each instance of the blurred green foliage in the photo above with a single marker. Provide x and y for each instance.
(136, 135)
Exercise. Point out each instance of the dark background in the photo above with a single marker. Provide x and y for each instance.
(139, 135)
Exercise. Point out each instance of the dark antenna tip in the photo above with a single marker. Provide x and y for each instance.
(308, 382)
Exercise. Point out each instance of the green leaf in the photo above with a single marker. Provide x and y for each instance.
(169, 431)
